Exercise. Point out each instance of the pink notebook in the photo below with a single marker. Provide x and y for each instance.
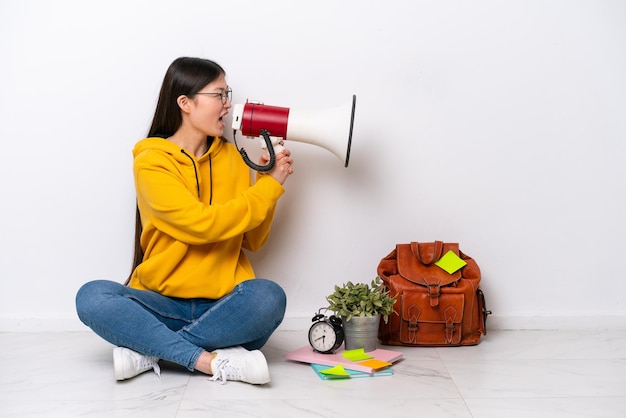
(306, 354)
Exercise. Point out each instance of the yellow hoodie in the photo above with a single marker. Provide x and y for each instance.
(197, 215)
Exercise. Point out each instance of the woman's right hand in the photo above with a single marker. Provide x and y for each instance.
(283, 166)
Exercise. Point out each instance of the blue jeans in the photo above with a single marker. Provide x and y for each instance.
(179, 330)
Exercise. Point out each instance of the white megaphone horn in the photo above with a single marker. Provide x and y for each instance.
(330, 129)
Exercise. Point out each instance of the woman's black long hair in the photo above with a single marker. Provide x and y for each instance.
(185, 77)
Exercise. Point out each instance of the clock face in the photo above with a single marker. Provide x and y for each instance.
(322, 337)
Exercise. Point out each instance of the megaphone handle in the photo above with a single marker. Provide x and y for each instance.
(270, 150)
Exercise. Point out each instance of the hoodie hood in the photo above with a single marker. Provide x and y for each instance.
(176, 152)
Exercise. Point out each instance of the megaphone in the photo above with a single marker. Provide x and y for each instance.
(330, 129)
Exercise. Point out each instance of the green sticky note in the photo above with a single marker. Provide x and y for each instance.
(338, 372)
(356, 354)
(450, 262)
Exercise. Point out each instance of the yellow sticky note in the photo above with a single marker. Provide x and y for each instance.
(450, 262)
(375, 364)
(338, 371)
(356, 354)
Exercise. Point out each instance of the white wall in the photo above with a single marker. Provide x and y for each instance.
(500, 125)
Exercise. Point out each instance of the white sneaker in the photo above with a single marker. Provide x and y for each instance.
(237, 363)
(128, 363)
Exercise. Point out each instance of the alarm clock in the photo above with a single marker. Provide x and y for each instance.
(326, 333)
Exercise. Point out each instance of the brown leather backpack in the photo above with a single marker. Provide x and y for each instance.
(433, 307)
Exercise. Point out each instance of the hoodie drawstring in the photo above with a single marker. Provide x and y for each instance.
(210, 180)
(195, 170)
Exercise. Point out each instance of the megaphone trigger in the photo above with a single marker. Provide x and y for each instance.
(277, 143)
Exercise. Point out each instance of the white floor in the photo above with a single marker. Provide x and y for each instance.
(509, 374)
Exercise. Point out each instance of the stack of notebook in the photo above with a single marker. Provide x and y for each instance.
(347, 363)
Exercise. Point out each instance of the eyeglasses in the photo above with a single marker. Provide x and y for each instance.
(225, 95)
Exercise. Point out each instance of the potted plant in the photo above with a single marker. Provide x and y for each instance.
(361, 307)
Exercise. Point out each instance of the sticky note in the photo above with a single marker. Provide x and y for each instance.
(450, 262)
(337, 372)
(375, 364)
(356, 354)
